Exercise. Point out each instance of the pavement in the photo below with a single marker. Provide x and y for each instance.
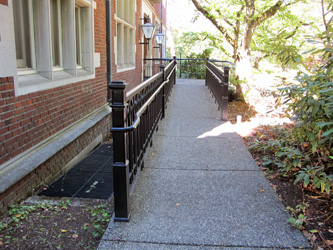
(201, 188)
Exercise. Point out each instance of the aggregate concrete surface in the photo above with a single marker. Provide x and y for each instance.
(201, 188)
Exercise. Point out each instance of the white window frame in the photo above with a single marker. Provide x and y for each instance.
(44, 74)
(125, 46)
(22, 62)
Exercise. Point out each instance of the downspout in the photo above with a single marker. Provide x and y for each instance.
(108, 47)
(161, 47)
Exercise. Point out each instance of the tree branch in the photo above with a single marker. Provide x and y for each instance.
(224, 19)
(292, 34)
(214, 21)
(268, 13)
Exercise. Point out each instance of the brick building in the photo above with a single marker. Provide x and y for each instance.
(56, 58)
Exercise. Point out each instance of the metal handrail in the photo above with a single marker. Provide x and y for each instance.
(216, 76)
(133, 91)
(142, 109)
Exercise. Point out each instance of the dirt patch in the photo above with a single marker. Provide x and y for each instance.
(62, 225)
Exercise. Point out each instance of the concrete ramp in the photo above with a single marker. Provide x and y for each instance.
(201, 188)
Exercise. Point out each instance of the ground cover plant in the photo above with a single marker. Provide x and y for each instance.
(280, 157)
(58, 226)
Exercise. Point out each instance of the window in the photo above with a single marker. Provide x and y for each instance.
(125, 48)
(56, 33)
(24, 34)
(54, 42)
(78, 36)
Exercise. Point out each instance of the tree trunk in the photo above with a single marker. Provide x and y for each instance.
(243, 72)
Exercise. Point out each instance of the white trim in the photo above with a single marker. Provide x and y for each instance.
(26, 71)
(152, 9)
(83, 3)
(35, 82)
(123, 69)
(119, 20)
(21, 165)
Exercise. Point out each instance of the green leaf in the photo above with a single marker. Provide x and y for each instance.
(306, 180)
(325, 90)
(322, 124)
(327, 133)
(292, 220)
(322, 186)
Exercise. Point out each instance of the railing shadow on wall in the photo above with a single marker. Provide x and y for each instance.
(135, 117)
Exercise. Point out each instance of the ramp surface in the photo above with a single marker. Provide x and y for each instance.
(201, 188)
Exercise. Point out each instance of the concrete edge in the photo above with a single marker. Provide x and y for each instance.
(21, 165)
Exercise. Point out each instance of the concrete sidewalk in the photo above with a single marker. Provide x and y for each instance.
(201, 188)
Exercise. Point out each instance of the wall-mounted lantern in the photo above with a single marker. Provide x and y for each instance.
(147, 29)
(159, 38)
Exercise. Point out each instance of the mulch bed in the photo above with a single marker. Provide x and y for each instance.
(318, 207)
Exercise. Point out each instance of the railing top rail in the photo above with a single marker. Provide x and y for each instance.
(211, 67)
(141, 86)
(232, 65)
(188, 59)
(144, 107)
(158, 59)
(170, 65)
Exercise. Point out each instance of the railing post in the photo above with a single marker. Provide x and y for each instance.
(174, 78)
(207, 59)
(120, 166)
(180, 66)
(225, 99)
(162, 69)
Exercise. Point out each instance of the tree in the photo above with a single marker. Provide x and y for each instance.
(237, 21)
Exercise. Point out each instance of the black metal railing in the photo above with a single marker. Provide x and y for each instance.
(151, 66)
(218, 83)
(135, 116)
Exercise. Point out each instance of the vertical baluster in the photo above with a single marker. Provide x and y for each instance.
(120, 141)
(175, 63)
(162, 69)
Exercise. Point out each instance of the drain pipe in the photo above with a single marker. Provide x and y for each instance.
(161, 47)
(108, 48)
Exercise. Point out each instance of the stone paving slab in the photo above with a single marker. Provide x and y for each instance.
(194, 127)
(203, 104)
(213, 153)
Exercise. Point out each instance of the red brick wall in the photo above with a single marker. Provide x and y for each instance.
(132, 77)
(157, 8)
(4, 2)
(51, 169)
(28, 119)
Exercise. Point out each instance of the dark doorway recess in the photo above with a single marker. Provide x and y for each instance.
(90, 178)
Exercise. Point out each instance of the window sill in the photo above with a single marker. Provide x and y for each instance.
(124, 68)
(33, 83)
